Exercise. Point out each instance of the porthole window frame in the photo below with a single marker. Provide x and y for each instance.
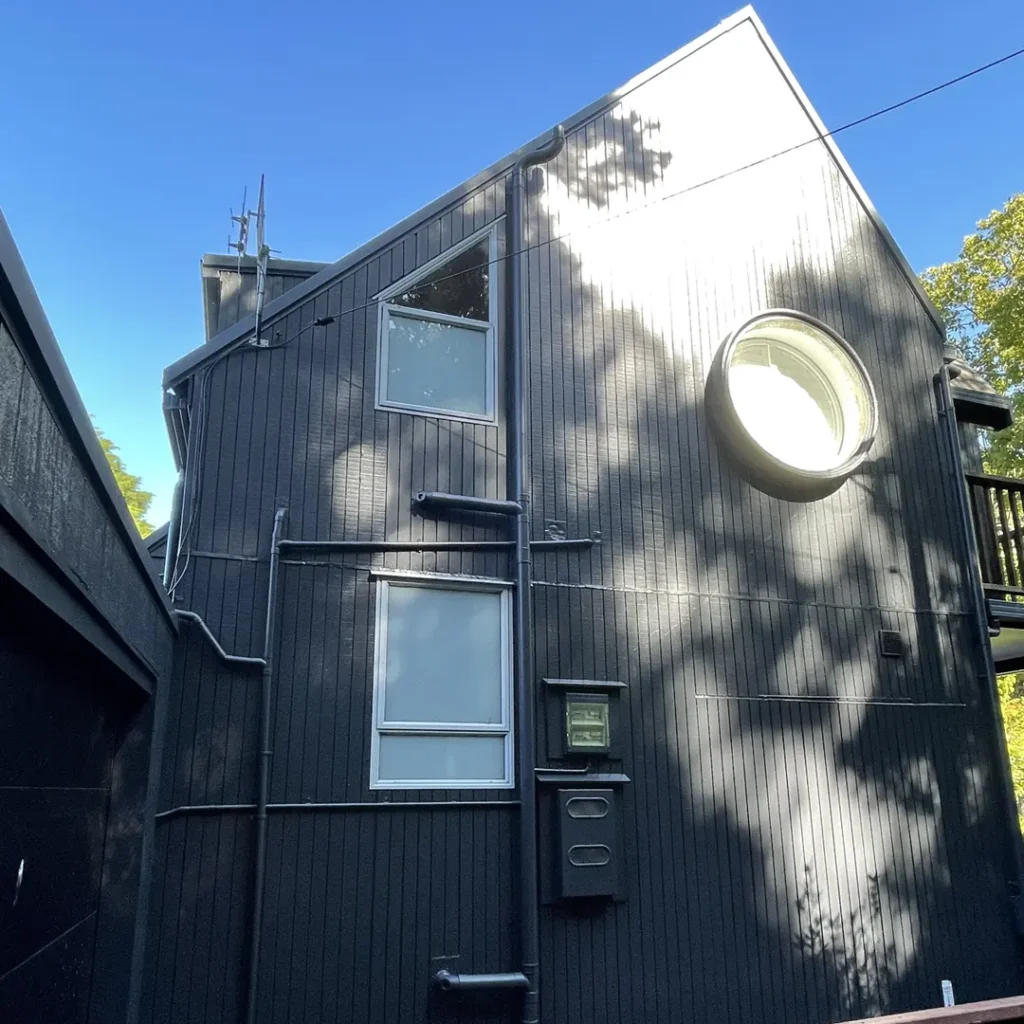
(761, 468)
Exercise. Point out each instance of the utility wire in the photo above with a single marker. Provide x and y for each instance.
(707, 181)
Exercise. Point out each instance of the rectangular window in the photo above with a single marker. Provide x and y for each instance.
(436, 347)
(442, 685)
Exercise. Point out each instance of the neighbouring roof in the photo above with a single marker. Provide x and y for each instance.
(974, 399)
(232, 335)
(229, 286)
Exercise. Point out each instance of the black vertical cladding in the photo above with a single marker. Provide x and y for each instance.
(809, 832)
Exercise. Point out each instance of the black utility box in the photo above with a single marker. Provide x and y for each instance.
(588, 842)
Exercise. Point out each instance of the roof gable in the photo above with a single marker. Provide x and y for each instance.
(238, 332)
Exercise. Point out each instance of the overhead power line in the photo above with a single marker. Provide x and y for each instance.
(689, 188)
(244, 346)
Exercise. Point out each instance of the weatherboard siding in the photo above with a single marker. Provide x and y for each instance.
(812, 832)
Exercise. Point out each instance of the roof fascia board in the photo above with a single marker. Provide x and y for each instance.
(189, 363)
(67, 405)
(33, 566)
(247, 265)
(846, 171)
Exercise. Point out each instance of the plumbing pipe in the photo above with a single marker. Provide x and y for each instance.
(263, 773)
(517, 446)
(447, 981)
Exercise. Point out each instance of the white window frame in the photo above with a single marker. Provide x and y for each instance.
(435, 582)
(386, 308)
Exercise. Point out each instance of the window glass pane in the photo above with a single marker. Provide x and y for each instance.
(787, 404)
(443, 656)
(798, 394)
(458, 758)
(459, 287)
(436, 366)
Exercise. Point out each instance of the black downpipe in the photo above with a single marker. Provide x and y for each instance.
(441, 500)
(447, 981)
(184, 615)
(173, 528)
(988, 676)
(263, 782)
(522, 618)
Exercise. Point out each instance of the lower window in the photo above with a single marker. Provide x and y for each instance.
(442, 685)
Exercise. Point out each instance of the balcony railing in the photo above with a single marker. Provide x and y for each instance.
(997, 507)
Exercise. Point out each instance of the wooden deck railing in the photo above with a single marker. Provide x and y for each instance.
(1007, 1010)
(997, 507)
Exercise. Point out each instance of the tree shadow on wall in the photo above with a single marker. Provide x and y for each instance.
(763, 725)
(805, 842)
(852, 944)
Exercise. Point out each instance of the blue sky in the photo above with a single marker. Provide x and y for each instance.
(129, 129)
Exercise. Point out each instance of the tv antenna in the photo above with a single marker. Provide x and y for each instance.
(262, 256)
(242, 220)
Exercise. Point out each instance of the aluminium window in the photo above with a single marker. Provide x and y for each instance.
(436, 339)
(442, 708)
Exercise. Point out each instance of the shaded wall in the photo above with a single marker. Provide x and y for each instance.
(812, 832)
(73, 774)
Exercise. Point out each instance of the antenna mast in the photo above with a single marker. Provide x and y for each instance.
(262, 256)
(263, 252)
(242, 220)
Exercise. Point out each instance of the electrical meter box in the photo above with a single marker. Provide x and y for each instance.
(589, 842)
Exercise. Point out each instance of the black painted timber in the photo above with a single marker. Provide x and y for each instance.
(810, 831)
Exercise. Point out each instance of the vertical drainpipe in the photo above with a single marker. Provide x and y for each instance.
(263, 771)
(522, 617)
(173, 528)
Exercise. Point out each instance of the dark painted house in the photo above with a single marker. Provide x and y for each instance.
(86, 638)
(766, 778)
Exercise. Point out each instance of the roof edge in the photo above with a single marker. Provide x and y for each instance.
(41, 336)
(157, 536)
(847, 172)
(188, 363)
(994, 411)
(225, 261)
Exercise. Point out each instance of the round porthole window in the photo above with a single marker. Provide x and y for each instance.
(793, 404)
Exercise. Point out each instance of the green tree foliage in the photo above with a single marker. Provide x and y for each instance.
(981, 298)
(1011, 700)
(137, 500)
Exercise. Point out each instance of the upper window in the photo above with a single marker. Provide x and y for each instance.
(793, 403)
(436, 353)
(442, 689)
